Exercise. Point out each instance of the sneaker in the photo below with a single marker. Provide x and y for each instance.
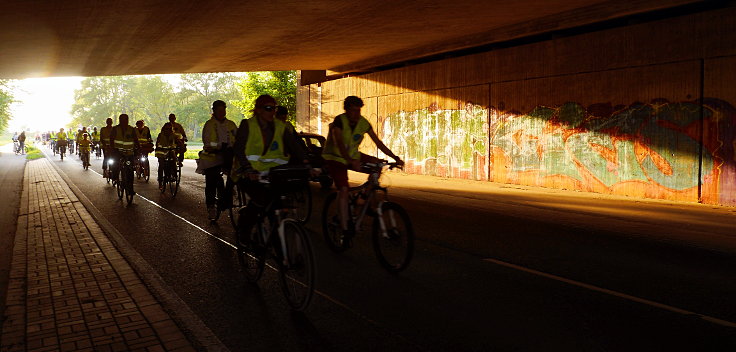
(212, 213)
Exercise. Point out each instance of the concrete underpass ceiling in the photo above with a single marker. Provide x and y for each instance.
(96, 37)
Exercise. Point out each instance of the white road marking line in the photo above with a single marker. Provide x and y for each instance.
(182, 219)
(614, 293)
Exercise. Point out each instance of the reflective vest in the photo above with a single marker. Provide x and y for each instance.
(80, 136)
(125, 138)
(84, 145)
(95, 136)
(213, 141)
(105, 133)
(351, 138)
(163, 142)
(178, 130)
(144, 134)
(52, 136)
(274, 155)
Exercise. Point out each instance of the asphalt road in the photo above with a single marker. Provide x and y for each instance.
(11, 186)
(506, 270)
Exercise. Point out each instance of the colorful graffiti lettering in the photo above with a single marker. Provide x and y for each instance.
(652, 150)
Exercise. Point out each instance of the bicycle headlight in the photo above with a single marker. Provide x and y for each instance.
(143, 158)
(110, 162)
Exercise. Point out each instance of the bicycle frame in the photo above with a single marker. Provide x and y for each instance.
(371, 186)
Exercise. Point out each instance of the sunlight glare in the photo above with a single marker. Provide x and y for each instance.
(43, 104)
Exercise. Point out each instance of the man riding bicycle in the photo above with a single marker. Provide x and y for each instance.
(262, 143)
(218, 137)
(165, 142)
(95, 137)
(181, 136)
(124, 142)
(105, 133)
(341, 152)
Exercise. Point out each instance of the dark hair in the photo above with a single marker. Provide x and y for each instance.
(170, 115)
(123, 116)
(282, 110)
(352, 101)
(263, 99)
(217, 103)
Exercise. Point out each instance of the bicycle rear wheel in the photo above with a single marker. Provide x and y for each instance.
(174, 182)
(394, 242)
(331, 229)
(119, 185)
(147, 170)
(297, 269)
(251, 255)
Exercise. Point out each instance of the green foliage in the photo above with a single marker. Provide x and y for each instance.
(279, 84)
(6, 98)
(32, 152)
(147, 98)
(193, 102)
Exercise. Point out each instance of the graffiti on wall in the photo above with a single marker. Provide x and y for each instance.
(438, 142)
(654, 150)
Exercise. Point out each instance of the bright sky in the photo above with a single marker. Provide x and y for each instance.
(43, 104)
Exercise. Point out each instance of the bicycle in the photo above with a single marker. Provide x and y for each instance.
(142, 167)
(70, 144)
(84, 155)
(61, 145)
(171, 172)
(282, 238)
(96, 149)
(16, 147)
(392, 232)
(124, 183)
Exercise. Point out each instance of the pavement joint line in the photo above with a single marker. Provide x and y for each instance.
(625, 296)
(188, 321)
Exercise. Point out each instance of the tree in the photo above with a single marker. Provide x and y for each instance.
(195, 97)
(6, 98)
(279, 84)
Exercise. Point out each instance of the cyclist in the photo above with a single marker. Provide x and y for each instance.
(52, 138)
(218, 137)
(124, 142)
(79, 137)
(22, 142)
(262, 142)
(105, 133)
(341, 152)
(181, 136)
(95, 136)
(165, 140)
(70, 138)
(145, 141)
(84, 147)
(61, 140)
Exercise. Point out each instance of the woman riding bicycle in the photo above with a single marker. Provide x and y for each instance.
(261, 144)
(341, 152)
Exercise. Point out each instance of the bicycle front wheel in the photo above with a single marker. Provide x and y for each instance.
(296, 265)
(331, 229)
(251, 255)
(302, 203)
(239, 202)
(119, 185)
(129, 193)
(393, 237)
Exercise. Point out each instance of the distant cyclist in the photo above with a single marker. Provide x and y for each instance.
(341, 151)
(181, 136)
(105, 133)
(164, 142)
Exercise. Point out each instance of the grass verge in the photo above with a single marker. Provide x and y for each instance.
(32, 152)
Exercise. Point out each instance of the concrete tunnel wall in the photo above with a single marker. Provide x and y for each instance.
(645, 110)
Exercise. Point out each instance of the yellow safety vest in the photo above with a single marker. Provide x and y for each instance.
(125, 138)
(351, 138)
(143, 134)
(95, 136)
(163, 142)
(105, 133)
(210, 130)
(84, 145)
(274, 155)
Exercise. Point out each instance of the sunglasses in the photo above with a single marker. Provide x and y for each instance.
(269, 107)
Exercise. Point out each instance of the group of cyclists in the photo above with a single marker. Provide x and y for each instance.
(19, 141)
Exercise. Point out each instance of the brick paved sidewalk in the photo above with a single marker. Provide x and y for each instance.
(70, 289)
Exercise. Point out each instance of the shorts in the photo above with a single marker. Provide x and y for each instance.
(339, 171)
